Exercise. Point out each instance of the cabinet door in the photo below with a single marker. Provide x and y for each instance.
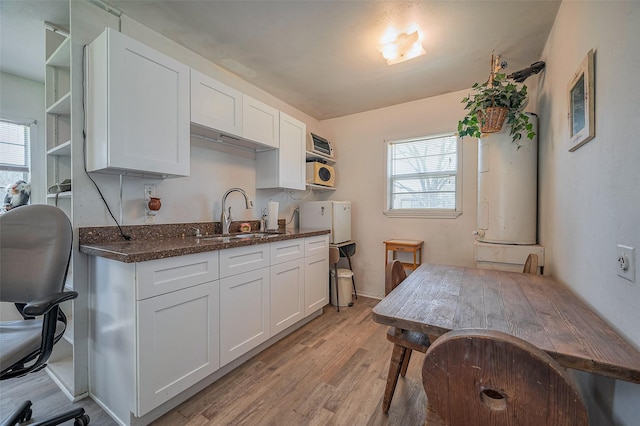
(260, 122)
(287, 294)
(244, 313)
(291, 169)
(177, 343)
(284, 167)
(140, 111)
(215, 105)
(316, 282)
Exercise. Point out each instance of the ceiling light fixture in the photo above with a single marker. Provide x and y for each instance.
(402, 47)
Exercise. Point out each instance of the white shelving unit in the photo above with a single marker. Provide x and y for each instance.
(61, 366)
(58, 109)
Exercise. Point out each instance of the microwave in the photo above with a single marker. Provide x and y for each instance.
(319, 145)
(320, 174)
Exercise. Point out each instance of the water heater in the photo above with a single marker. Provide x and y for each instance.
(508, 187)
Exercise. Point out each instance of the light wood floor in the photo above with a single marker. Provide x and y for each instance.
(330, 372)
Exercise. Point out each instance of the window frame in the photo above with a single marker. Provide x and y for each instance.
(426, 213)
(26, 170)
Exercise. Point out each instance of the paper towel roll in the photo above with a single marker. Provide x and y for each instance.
(272, 216)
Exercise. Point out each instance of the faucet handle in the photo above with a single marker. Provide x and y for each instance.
(198, 234)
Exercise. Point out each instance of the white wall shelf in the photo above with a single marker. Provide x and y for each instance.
(61, 57)
(62, 106)
(315, 187)
(314, 156)
(62, 150)
(66, 194)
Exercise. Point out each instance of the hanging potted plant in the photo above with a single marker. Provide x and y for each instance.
(494, 102)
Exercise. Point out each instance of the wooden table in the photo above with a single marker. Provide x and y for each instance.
(411, 246)
(436, 299)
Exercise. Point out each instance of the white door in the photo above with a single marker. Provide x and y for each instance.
(287, 294)
(177, 343)
(244, 313)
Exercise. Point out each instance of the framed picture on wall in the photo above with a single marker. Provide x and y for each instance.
(582, 104)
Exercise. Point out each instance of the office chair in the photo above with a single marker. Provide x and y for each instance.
(486, 377)
(404, 341)
(35, 242)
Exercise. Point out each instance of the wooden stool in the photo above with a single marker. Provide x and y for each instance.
(411, 246)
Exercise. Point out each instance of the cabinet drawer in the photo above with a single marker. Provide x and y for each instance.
(316, 245)
(175, 273)
(243, 259)
(284, 251)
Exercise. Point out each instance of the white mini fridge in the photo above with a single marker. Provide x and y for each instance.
(332, 215)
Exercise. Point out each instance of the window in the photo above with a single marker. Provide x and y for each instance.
(423, 178)
(14, 153)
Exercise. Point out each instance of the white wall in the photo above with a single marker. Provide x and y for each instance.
(589, 199)
(361, 173)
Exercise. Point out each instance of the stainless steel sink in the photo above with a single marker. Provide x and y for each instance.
(239, 237)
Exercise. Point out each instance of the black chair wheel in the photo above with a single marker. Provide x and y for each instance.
(26, 415)
(82, 420)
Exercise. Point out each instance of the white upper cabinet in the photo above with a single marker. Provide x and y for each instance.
(285, 167)
(138, 109)
(260, 122)
(222, 114)
(215, 105)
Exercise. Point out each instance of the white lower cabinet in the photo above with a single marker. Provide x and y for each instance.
(287, 294)
(244, 313)
(316, 287)
(177, 342)
(287, 284)
(154, 330)
(316, 273)
(159, 327)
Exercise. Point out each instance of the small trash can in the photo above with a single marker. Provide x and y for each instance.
(344, 287)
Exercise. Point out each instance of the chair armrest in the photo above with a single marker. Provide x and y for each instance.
(42, 306)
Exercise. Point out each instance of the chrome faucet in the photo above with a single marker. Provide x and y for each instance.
(226, 218)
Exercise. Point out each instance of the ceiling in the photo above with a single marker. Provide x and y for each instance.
(320, 56)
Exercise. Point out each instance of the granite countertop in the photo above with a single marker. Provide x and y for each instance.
(149, 242)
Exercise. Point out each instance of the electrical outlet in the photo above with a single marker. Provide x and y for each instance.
(149, 219)
(627, 262)
(149, 191)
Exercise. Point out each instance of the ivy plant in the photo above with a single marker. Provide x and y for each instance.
(497, 93)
